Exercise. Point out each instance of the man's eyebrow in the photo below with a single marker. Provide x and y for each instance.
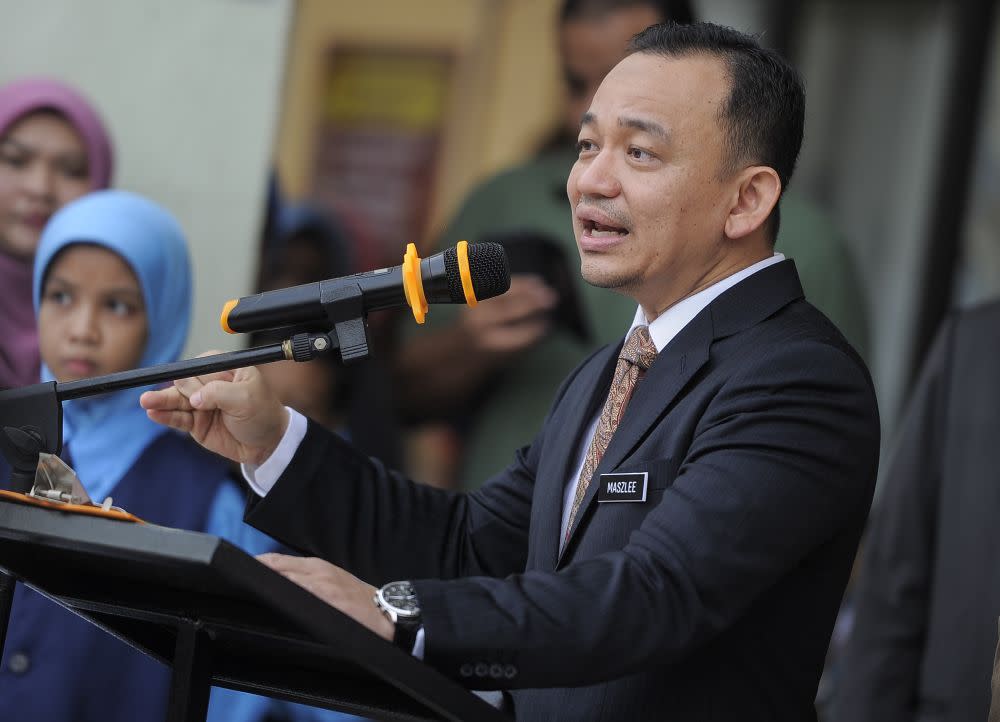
(646, 126)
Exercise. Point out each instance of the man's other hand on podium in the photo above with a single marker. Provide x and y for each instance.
(338, 588)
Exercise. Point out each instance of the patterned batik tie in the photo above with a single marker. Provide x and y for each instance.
(636, 356)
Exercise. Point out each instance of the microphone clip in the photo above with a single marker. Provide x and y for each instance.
(344, 307)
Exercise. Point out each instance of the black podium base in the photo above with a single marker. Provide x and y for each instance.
(219, 617)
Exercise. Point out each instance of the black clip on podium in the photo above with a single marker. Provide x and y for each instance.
(195, 602)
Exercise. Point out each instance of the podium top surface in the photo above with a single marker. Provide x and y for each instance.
(267, 634)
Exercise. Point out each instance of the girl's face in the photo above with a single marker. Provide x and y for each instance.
(43, 166)
(92, 317)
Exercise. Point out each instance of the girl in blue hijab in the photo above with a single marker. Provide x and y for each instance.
(112, 292)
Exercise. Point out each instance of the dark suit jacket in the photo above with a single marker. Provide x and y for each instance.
(928, 596)
(713, 600)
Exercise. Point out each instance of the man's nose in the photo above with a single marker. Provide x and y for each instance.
(597, 176)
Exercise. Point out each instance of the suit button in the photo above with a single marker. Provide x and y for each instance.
(482, 669)
(19, 663)
(496, 671)
(465, 670)
(510, 671)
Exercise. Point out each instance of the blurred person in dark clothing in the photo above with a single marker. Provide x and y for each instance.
(928, 597)
(306, 245)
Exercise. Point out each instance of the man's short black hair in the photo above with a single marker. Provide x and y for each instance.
(679, 11)
(764, 115)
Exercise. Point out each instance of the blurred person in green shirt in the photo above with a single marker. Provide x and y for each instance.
(517, 348)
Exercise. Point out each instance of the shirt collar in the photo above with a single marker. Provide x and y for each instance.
(669, 323)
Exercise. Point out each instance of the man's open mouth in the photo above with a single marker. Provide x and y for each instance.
(599, 230)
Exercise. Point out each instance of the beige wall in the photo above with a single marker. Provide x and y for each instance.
(189, 89)
(504, 91)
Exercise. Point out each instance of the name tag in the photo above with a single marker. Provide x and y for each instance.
(623, 487)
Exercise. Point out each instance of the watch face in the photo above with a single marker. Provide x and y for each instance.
(401, 597)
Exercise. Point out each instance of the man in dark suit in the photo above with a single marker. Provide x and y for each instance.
(675, 542)
(928, 596)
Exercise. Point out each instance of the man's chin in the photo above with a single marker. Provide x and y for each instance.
(606, 278)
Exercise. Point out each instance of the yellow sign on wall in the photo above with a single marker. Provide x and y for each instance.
(379, 135)
(389, 90)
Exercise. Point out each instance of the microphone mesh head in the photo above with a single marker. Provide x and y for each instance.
(490, 272)
(487, 266)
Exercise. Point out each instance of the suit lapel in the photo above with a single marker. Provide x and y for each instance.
(742, 306)
(670, 373)
(583, 401)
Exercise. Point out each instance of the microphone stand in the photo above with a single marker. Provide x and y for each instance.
(31, 416)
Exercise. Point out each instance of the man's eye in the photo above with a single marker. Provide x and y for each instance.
(639, 154)
(584, 145)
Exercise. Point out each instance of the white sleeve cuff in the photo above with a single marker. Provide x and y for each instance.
(262, 478)
(418, 644)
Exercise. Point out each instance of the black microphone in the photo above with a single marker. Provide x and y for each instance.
(463, 274)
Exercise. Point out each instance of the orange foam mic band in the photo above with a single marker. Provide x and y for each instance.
(224, 318)
(465, 272)
(413, 283)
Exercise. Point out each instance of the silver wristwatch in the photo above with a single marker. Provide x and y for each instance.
(398, 601)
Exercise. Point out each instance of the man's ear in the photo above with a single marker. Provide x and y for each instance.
(757, 193)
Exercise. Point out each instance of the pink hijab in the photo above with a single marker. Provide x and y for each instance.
(19, 360)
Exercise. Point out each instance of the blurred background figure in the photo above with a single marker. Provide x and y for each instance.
(927, 600)
(53, 149)
(518, 348)
(305, 245)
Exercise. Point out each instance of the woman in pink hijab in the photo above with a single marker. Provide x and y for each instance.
(53, 149)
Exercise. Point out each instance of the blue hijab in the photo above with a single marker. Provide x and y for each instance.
(106, 434)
